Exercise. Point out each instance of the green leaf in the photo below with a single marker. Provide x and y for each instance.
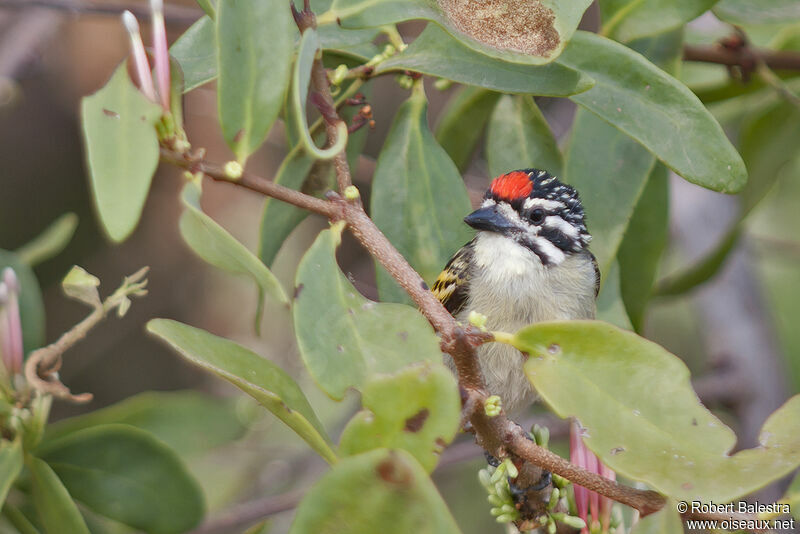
(256, 376)
(701, 271)
(461, 124)
(625, 20)
(640, 251)
(437, 54)
(209, 7)
(344, 338)
(768, 144)
(31, 304)
(279, 218)
(57, 513)
(609, 170)
(665, 521)
(765, 12)
(309, 45)
(416, 409)
(255, 41)
(520, 138)
(50, 242)
(379, 491)
(610, 307)
(215, 245)
(300, 172)
(533, 32)
(189, 422)
(792, 497)
(196, 53)
(10, 465)
(657, 110)
(18, 520)
(661, 434)
(418, 197)
(121, 151)
(126, 474)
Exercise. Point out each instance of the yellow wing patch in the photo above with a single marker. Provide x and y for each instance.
(451, 285)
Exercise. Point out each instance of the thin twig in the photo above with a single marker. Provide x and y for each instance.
(746, 57)
(242, 516)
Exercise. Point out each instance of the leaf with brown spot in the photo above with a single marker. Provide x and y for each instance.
(531, 32)
(384, 491)
(416, 409)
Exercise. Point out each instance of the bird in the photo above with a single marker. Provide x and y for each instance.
(528, 262)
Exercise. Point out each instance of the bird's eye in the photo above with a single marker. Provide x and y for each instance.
(537, 216)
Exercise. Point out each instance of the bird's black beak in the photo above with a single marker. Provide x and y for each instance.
(489, 219)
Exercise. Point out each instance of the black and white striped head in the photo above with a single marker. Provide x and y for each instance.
(537, 211)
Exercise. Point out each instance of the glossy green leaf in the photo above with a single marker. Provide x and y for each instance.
(462, 122)
(758, 12)
(660, 434)
(189, 422)
(196, 53)
(379, 491)
(50, 242)
(31, 304)
(416, 409)
(610, 307)
(10, 465)
(279, 218)
(437, 54)
(209, 6)
(641, 248)
(215, 245)
(256, 376)
(418, 197)
(309, 46)
(625, 20)
(792, 497)
(126, 474)
(299, 171)
(520, 138)
(344, 338)
(768, 144)
(657, 110)
(57, 513)
(121, 151)
(609, 170)
(701, 271)
(534, 32)
(18, 520)
(255, 41)
(665, 521)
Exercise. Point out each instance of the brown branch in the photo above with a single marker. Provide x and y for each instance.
(745, 57)
(173, 14)
(252, 182)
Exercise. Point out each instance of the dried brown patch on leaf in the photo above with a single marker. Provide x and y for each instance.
(520, 25)
(415, 422)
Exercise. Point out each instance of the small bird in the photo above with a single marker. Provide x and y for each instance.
(528, 262)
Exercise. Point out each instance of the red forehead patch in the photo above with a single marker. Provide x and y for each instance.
(512, 186)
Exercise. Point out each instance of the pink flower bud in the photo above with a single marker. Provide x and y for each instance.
(140, 63)
(161, 53)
